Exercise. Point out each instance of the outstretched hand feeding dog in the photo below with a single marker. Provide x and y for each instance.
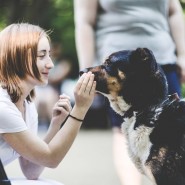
(153, 122)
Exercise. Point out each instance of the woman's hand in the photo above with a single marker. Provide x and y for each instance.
(61, 110)
(84, 92)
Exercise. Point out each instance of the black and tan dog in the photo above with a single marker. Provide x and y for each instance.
(153, 122)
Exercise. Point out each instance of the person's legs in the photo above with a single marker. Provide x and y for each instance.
(126, 170)
(173, 79)
(173, 83)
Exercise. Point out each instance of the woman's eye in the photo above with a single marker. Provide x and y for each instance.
(41, 56)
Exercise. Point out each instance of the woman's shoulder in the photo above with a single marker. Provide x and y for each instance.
(4, 96)
(8, 110)
(5, 101)
(10, 118)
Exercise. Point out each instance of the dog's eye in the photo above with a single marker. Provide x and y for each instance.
(107, 62)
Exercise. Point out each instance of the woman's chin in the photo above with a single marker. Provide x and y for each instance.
(44, 82)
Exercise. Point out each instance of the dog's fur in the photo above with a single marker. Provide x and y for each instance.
(153, 123)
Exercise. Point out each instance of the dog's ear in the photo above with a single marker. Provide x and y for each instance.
(146, 83)
(143, 61)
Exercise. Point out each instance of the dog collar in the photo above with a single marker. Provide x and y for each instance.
(171, 98)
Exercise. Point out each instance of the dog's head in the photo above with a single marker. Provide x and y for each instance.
(133, 75)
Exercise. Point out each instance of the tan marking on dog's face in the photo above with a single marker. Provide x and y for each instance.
(113, 86)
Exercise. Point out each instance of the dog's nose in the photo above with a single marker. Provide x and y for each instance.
(83, 71)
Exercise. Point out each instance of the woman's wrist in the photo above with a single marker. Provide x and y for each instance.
(54, 125)
(75, 114)
(78, 112)
(75, 118)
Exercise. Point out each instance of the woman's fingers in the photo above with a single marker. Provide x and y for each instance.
(93, 89)
(65, 105)
(80, 81)
(89, 85)
(64, 102)
(61, 110)
(64, 96)
(85, 90)
(85, 83)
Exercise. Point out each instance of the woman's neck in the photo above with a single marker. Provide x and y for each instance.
(26, 88)
(21, 107)
(20, 104)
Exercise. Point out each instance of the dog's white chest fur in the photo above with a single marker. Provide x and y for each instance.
(139, 144)
(138, 140)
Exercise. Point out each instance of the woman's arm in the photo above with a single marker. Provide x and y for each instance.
(38, 151)
(85, 18)
(176, 22)
(32, 170)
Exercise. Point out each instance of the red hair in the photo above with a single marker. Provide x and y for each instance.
(18, 56)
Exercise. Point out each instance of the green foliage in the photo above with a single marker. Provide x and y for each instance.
(183, 90)
(183, 85)
(54, 15)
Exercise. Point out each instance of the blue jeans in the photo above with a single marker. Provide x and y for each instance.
(173, 83)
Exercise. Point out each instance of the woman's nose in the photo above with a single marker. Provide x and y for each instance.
(50, 64)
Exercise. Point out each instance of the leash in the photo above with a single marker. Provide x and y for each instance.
(3, 177)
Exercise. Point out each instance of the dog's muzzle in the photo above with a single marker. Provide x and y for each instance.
(83, 71)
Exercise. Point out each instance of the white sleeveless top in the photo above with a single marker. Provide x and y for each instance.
(11, 121)
(128, 24)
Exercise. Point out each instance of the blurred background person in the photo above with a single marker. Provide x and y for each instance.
(106, 26)
(62, 67)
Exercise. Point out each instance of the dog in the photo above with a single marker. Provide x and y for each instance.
(153, 122)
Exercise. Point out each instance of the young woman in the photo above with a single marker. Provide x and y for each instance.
(25, 63)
